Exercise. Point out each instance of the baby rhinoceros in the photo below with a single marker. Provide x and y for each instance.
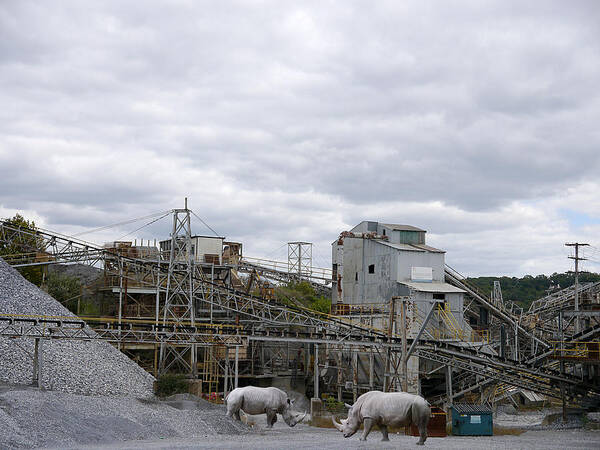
(256, 400)
(386, 409)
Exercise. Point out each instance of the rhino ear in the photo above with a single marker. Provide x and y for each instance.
(289, 401)
(347, 405)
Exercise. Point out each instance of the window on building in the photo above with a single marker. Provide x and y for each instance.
(384, 231)
(438, 296)
(355, 276)
(372, 268)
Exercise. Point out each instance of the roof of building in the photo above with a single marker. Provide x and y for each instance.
(407, 247)
(411, 247)
(466, 408)
(197, 236)
(428, 248)
(443, 288)
(399, 227)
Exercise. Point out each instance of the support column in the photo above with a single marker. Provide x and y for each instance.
(120, 299)
(404, 347)
(157, 300)
(306, 359)
(449, 392)
(354, 374)
(562, 366)
(316, 372)
(226, 377)
(194, 360)
(386, 366)
(371, 371)
(37, 363)
(516, 342)
(237, 352)
(339, 375)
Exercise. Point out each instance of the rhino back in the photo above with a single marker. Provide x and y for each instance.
(258, 400)
(389, 408)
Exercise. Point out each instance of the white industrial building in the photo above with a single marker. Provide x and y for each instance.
(206, 249)
(377, 261)
(377, 264)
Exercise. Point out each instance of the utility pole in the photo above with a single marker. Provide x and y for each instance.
(577, 259)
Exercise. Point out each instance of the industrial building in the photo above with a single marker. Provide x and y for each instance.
(374, 262)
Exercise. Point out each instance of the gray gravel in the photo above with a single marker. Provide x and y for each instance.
(305, 437)
(30, 417)
(90, 368)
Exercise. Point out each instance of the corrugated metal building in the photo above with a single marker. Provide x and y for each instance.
(376, 261)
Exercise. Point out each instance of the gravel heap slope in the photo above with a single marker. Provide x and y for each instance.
(89, 368)
(33, 418)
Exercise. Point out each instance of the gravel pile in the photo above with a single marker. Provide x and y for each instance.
(90, 368)
(33, 418)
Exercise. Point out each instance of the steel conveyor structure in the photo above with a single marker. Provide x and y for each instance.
(249, 318)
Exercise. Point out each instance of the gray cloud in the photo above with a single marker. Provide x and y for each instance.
(282, 120)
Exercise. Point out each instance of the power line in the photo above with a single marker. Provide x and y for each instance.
(276, 250)
(143, 226)
(127, 222)
(205, 224)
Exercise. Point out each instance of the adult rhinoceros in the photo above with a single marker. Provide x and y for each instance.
(386, 409)
(256, 400)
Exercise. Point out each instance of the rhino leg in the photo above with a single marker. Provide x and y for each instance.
(368, 424)
(384, 431)
(271, 418)
(423, 435)
(422, 425)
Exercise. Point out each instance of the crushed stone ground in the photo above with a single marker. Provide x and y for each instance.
(306, 437)
(31, 418)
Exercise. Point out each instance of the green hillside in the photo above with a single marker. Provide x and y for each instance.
(525, 290)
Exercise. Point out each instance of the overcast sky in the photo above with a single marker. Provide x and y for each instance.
(478, 121)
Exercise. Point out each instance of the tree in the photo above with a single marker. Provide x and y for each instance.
(65, 289)
(301, 293)
(25, 246)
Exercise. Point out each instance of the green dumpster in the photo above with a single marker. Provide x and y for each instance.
(472, 420)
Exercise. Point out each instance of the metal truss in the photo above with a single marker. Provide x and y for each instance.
(300, 258)
(506, 374)
(499, 311)
(262, 312)
(273, 273)
(73, 329)
(179, 303)
(258, 319)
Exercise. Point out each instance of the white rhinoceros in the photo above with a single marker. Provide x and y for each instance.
(257, 400)
(386, 409)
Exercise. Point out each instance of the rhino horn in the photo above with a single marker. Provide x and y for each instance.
(300, 419)
(337, 425)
